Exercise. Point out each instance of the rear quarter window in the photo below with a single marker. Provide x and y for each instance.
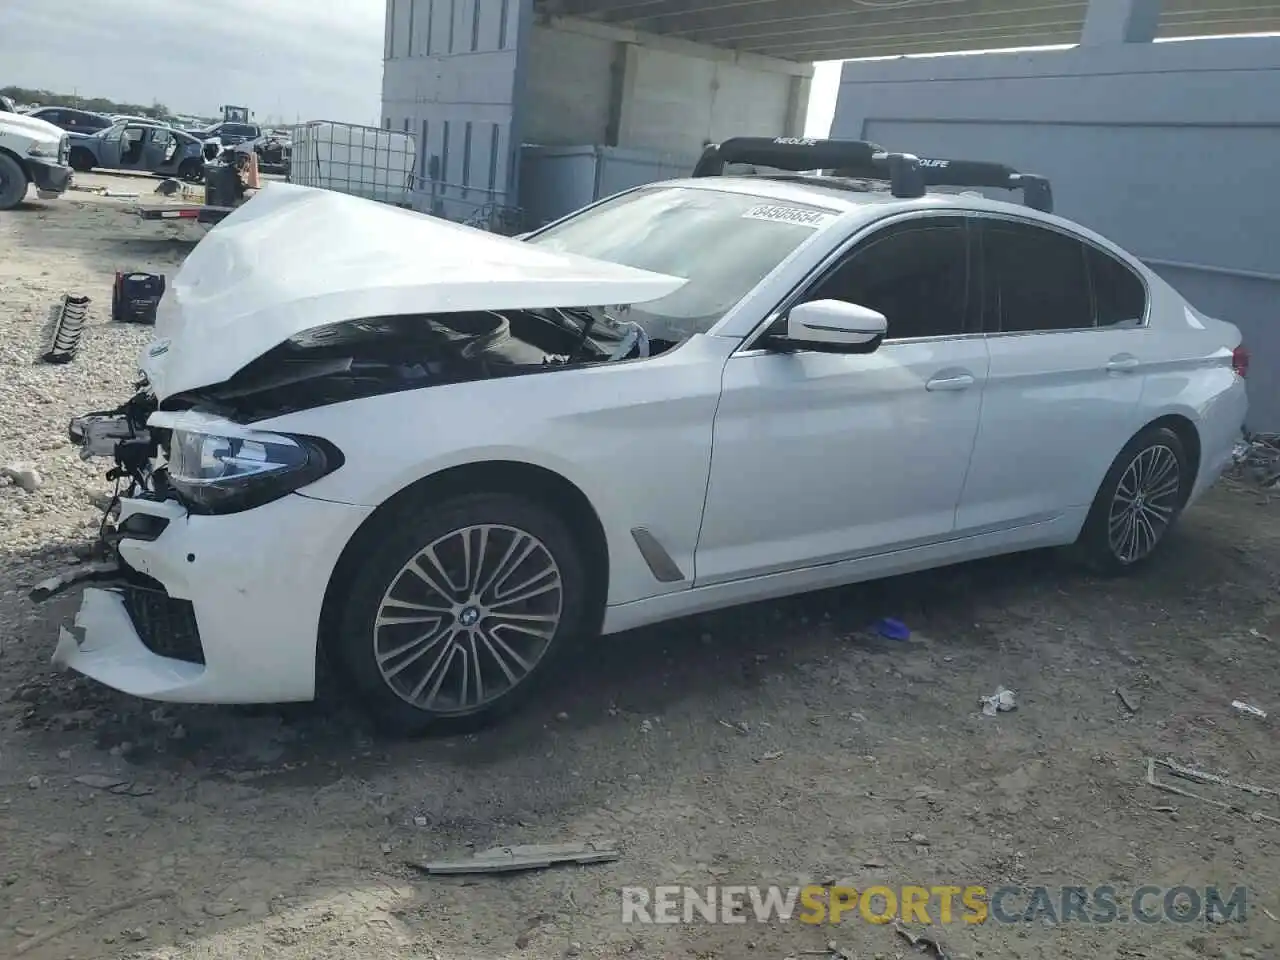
(1119, 294)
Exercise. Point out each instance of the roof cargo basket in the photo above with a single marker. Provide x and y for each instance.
(908, 174)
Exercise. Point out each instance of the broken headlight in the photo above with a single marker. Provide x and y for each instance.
(228, 470)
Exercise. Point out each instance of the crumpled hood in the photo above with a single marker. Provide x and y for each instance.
(34, 126)
(295, 258)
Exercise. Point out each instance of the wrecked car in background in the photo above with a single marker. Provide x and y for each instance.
(274, 152)
(71, 120)
(144, 147)
(443, 458)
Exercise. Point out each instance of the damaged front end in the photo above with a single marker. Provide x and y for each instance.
(198, 451)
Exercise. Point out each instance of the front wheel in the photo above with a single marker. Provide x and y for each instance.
(1139, 501)
(191, 170)
(13, 182)
(459, 609)
(81, 160)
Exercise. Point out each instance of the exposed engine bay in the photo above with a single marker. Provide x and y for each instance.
(355, 359)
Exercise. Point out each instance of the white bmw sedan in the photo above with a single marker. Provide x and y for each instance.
(438, 457)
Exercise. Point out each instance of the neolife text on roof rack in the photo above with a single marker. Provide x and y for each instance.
(908, 175)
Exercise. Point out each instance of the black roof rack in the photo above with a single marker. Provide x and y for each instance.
(908, 174)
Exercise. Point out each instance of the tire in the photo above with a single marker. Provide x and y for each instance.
(418, 689)
(13, 182)
(1122, 532)
(191, 170)
(81, 160)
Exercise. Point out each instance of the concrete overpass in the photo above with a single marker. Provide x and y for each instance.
(844, 29)
(1168, 148)
(505, 93)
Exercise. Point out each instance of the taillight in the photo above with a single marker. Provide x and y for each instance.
(1240, 361)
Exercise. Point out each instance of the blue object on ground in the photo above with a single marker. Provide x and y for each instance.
(893, 629)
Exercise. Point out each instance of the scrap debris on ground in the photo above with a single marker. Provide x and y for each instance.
(783, 744)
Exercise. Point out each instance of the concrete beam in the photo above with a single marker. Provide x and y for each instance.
(1121, 21)
(808, 30)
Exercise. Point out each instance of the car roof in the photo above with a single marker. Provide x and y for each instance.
(841, 195)
(856, 204)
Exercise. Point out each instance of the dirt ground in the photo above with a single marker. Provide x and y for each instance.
(773, 744)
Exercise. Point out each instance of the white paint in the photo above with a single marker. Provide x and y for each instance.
(296, 258)
(762, 474)
(782, 213)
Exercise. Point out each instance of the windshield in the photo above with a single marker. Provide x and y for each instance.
(722, 243)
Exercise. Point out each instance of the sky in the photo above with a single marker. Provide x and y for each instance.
(284, 59)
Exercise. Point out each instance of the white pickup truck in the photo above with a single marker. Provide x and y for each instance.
(31, 151)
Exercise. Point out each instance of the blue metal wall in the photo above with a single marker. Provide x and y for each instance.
(1170, 149)
(555, 181)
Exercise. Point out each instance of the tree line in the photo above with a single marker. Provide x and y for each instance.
(46, 98)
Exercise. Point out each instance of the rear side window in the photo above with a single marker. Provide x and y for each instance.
(1119, 295)
(1036, 279)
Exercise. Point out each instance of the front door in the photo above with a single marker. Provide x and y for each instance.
(132, 147)
(818, 457)
(110, 148)
(1069, 348)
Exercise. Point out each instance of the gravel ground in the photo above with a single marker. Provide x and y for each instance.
(778, 743)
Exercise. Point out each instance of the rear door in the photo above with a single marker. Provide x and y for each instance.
(159, 151)
(1066, 330)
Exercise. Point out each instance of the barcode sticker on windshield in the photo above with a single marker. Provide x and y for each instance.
(780, 213)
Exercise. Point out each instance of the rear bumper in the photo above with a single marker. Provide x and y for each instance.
(1221, 425)
(49, 177)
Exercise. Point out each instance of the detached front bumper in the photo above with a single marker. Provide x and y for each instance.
(51, 178)
(226, 610)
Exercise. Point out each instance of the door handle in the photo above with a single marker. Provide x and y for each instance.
(961, 381)
(1123, 363)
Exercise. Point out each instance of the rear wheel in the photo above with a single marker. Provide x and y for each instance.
(1139, 501)
(81, 160)
(459, 610)
(13, 182)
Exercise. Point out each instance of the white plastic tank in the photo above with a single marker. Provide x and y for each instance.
(348, 158)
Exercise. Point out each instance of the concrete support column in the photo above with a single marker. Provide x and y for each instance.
(1120, 21)
(626, 89)
(798, 106)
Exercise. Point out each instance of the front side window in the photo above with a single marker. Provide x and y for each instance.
(1036, 279)
(915, 273)
(722, 243)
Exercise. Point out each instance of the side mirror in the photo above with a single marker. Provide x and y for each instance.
(831, 326)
